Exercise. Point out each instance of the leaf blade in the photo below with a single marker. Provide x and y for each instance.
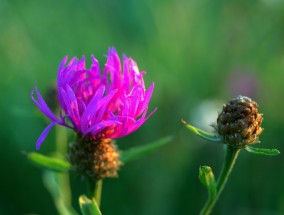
(49, 163)
(139, 151)
(260, 151)
(205, 135)
(51, 182)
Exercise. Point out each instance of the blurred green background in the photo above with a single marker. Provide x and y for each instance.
(199, 53)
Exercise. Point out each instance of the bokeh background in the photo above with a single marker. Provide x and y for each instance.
(199, 53)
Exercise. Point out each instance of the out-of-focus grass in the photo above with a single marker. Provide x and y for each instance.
(194, 51)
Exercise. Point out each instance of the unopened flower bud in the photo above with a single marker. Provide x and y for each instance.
(239, 122)
(94, 158)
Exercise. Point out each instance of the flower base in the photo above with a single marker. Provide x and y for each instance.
(94, 158)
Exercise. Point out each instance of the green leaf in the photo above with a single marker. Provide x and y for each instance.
(49, 163)
(259, 151)
(139, 151)
(201, 133)
(88, 206)
(207, 178)
(51, 181)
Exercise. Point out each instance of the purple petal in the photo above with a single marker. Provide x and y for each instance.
(126, 75)
(144, 103)
(81, 106)
(105, 102)
(62, 64)
(135, 100)
(91, 109)
(140, 122)
(73, 62)
(100, 126)
(144, 114)
(136, 75)
(73, 101)
(127, 123)
(113, 67)
(95, 68)
(70, 106)
(125, 106)
(41, 104)
(81, 63)
(44, 134)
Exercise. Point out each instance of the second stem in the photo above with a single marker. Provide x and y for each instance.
(230, 159)
(95, 190)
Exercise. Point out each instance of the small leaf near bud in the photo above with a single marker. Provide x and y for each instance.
(207, 178)
(259, 151)
(201, 133)
(88, 206)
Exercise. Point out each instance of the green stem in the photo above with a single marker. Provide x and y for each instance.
(95, 190)
(63, 178)
(61, 148)
(98, 192)
(61, 139)
(58, 184)
(230, 159)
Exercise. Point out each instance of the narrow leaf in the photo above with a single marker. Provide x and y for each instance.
(51, 181)
(207, 178)
(259, 151)
(201, 133)
(88, 206)
(139, 151)
(49, 163)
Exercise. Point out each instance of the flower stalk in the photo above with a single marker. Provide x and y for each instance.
(95, 190)
(230, 159)
(98, 191)
(64, 181)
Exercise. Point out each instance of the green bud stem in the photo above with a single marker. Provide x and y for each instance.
(95, 190)
(64, 180)
(98, 192)
(230, 159)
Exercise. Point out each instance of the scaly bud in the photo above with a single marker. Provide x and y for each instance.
(239, 122)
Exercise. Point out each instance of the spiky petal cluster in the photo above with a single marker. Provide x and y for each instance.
(108, 104)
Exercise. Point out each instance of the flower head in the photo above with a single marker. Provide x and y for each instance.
(108, 104)
(239, 122)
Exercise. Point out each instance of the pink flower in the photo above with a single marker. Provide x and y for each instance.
(110, 104)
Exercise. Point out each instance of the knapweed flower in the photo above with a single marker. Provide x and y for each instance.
(239, 122)
(98, 106)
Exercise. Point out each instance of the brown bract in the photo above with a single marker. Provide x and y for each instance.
(239, 122)
(95, 159)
